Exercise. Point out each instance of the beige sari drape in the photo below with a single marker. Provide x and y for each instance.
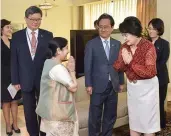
(56, 105)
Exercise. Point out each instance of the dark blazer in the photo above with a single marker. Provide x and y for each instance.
(24, 70)
(163, 52)
(97, 67)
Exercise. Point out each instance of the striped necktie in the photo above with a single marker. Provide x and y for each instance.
(33, 43)
(107, 49)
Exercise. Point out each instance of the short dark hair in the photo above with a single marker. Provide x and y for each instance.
(157, 24)
(56, 42)
(106, 16)
(32, 10)
(4, 22)
(95, 22)
(131, 25)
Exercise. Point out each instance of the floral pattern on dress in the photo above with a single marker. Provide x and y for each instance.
(61, 128)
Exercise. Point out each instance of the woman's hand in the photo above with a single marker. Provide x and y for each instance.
(71, 68)
(127, 56)
(71, 64)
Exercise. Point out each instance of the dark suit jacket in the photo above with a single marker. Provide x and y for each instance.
(97, 67)
(163, 52)
(24, 70)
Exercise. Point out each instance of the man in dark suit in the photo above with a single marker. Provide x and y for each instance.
(101, 79)
(28, 52)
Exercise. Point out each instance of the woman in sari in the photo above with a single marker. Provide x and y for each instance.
(56, 105)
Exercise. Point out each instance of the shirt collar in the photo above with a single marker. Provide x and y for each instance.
(29, 31)
(105, 40)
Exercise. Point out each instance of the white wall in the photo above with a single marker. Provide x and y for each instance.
(164, 12)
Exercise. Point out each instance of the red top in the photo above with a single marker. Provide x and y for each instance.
(143, 64)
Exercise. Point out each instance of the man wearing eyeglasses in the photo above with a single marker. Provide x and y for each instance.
(28, 52)
(102, 81)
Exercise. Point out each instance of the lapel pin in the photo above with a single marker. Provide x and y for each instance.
(41, 35)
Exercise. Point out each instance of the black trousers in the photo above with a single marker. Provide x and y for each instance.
(162, 96)
(30, 100)
(103, 104)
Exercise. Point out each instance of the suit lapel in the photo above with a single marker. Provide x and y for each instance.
(39, 38)
(25, 45)
(112, 49)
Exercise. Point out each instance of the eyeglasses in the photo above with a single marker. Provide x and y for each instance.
(34, 20)
(106, 28)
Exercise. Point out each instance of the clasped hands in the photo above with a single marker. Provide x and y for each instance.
(127, 58)
(126, 55)
(71, 64)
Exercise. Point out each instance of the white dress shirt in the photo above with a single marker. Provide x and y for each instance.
(104, 45)
(103, 41)
(29, 37)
